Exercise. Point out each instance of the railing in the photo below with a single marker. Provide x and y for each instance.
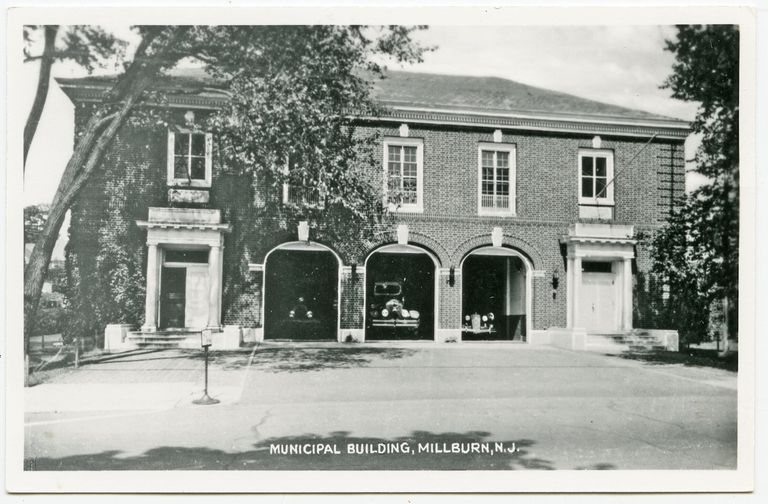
(497, 202)
(303, 196)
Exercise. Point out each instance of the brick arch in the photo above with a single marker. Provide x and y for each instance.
(422, 240)
(274, 244)
(484, 240)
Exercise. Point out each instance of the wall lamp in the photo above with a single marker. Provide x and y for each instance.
(555, 283)
(452, 276)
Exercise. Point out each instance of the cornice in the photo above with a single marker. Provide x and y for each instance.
(589, 125)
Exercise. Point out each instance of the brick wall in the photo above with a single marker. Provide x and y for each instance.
(546, 188)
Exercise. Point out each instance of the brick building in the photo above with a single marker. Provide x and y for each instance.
(516, 218)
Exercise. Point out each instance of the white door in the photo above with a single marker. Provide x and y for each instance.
(597, 306)
(197, 292)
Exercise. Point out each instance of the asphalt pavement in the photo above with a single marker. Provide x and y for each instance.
(383, 406)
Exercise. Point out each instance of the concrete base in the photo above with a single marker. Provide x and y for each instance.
(447, 335)
(250, 335)
(538, 337)
(357, 335)
(574, 338)
(669, 338)
(115, 338)
(228, 339)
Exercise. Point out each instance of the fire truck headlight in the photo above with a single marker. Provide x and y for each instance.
(414, 314)
(405, 313)
(385, 313)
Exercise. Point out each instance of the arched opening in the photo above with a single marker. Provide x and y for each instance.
(496, 295)
(400, 294)
(301, 292)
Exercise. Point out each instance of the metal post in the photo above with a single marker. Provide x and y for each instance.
(206, 399)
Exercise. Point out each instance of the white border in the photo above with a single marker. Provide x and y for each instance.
(374, 481)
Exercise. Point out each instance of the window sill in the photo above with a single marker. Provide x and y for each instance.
(496, 213)
(405, 209)
(184, 183)
(597, 202)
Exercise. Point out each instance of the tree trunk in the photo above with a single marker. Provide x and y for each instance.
(97, 136)
(43, 80)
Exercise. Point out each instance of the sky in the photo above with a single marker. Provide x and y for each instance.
(621, 65)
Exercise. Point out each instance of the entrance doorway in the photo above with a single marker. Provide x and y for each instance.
(400, 294)
(301, 295)
(598, 308)
(184, 290)
(494, 296)
(173, 297)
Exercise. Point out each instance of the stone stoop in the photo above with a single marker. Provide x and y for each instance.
(636, 340)
(164, 339)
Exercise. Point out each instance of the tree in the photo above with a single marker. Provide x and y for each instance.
(34, 220)
(89, 46)
(697, 252)
(295, 92)
(157, 50)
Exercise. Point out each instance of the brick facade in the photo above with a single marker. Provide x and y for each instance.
(133, 178)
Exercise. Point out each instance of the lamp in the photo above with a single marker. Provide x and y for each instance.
(206, 338)
(452, 276)
(555, 283)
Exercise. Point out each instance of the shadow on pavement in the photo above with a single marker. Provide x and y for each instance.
(422, 445)
(689, 358)
(293, 360)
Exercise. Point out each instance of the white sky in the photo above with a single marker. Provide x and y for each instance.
(621, 65)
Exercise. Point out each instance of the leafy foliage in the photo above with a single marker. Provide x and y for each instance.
(296, 95)
(87, 45)
(34, 219)
(696, 254)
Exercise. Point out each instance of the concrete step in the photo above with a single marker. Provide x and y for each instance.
(162, 339)
(623, 342)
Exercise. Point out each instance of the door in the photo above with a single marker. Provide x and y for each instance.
(598, 302)
(196, 296)
(301, 295)
(172, 297)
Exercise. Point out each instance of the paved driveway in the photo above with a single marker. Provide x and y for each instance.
(404, 406)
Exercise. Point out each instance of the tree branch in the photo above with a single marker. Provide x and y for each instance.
(41, 94)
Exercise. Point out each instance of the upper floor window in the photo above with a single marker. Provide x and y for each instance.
(189, 158)
(496, 179)
(595, 177)
(404, 174)
(596, 184)
(301, 193)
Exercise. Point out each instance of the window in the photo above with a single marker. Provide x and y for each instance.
(189, 158)
(403, 174)
(595, 177)
(497, 179)
(301, 193)
(597, 267)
